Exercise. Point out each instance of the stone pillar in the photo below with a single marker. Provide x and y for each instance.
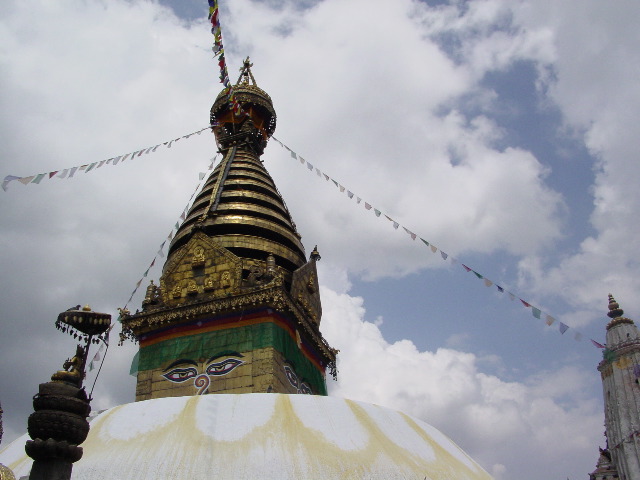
(57, 426)
(61, 407)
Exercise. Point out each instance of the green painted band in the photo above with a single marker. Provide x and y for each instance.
(240, 339)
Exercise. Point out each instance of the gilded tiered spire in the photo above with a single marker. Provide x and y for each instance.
(239, 204)
(238, 298)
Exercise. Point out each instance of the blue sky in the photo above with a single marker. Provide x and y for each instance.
(502, 131)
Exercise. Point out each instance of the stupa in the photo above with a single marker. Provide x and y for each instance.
(232, 364)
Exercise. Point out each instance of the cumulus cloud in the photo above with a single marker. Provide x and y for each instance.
(601, 109)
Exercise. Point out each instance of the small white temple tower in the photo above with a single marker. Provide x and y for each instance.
(620, 371)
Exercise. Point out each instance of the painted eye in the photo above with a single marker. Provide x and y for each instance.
(179, 375)
(291, 376)
(223, 367)
(304, 388)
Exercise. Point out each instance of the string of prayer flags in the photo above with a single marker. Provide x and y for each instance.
(535, 311)
(70, 172)
(169, 237)
(218, 52)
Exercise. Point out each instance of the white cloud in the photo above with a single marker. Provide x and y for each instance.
(595, 86)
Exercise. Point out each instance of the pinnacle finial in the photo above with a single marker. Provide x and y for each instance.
(614, 309)
(246, 73)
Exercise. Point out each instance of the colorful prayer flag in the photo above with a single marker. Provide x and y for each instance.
(38, 178)
(7, 179)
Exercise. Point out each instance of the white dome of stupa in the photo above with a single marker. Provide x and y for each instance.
(252, 436)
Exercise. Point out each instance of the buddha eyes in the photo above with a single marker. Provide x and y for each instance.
(179, 375)
(223, 367)
(182, 374)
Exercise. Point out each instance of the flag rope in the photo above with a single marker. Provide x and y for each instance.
(535, 311)
(87, 167)
(160, 253)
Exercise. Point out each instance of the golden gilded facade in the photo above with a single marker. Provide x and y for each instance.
(237, 308)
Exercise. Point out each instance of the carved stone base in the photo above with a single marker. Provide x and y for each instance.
(51, 470)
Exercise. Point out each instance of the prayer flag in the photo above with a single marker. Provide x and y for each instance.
(367, 206)
(52, 174)
(525, 303)
(90, 167)
(535, 312)
(443, 255)
(341, 189)
(25, 180)
(64, 173)
(377, 212)
(500, 289)
(477, 274)
(7, 179)
(563, 328)
(326, 177)
(466, 268)
(488, 282)
(349, 194)
(309, 166)
(38, 178)
(599, 345)
(434, 249)
(293, 155)
(424, 241)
